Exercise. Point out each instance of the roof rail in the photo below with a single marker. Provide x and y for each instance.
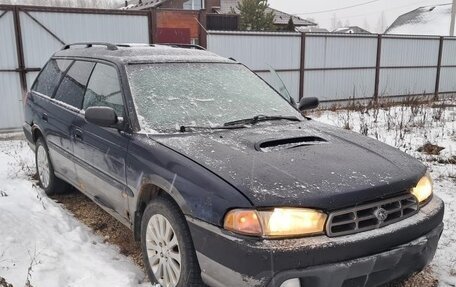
(185, 46)
(109, 46)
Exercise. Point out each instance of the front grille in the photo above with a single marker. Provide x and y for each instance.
(371, 216)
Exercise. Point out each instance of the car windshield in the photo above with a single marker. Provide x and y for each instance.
(171, 95)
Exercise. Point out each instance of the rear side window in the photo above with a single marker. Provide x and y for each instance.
(104, 89)
(71, 90)
(49, 78)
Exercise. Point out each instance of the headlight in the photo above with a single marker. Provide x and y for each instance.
(423, 190)
(277, 222)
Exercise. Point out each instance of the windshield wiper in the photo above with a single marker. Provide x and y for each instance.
(184, 129)
(261, 118)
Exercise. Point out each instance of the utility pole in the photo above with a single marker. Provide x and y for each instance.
(453, 15)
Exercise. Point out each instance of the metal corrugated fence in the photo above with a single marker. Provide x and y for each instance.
(67, 28)
(329, 66)
(29, 35)
(337, 67)
(261, 52)
(10, 89)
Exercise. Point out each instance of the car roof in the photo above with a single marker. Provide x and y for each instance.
(141, 53)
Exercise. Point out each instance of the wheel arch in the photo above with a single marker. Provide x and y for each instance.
(151, 188)
(36, 133)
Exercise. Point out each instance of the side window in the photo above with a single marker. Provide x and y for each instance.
(104, 89)
(49, 78)
(73, 85)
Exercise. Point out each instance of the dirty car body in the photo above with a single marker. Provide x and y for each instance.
(167, 142)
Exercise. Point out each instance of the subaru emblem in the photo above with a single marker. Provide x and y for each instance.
(381, 214)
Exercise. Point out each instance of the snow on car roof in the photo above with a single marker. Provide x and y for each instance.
(143, 53)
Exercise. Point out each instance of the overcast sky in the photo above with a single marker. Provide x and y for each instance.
(367, 16)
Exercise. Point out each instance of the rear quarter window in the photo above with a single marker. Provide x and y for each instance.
(72, 88)
(49, 78)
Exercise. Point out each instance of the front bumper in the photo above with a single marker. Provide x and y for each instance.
(365, 259)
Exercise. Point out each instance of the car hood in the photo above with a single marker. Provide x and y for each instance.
(307, 164)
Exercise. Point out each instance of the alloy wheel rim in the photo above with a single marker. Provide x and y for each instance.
(43, 166)
(163, 251)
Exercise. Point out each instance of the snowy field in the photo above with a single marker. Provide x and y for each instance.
(44, 245)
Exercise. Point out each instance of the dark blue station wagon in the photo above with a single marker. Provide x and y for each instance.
(221, 178)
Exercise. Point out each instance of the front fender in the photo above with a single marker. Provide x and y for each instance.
(199, 192)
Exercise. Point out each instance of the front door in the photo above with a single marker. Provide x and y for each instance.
(101, 152)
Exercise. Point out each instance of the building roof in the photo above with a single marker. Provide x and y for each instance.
(97, 4)
(280, 18)
(351, 30)
(427, 20)
(145, 4)
(142, 53)
(226, 6)
(311, 29)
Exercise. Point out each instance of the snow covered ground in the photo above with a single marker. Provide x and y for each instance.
(44, 244)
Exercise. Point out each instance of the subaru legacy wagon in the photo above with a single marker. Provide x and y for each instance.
(221, 177)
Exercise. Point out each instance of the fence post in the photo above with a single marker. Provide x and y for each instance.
(302, 65)
(439, 67)
(202, 19)
(20, 51)
(377, 67)
(152, 21)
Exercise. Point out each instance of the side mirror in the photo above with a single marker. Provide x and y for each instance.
(308, 104)
(102, 116)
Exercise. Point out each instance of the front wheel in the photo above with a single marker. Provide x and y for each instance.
(167, 247)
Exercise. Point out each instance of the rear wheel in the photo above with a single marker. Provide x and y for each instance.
(167, 247)
(45, 171)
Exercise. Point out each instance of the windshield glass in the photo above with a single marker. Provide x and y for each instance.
(170, 95)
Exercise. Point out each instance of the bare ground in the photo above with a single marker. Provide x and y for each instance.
(119, 235)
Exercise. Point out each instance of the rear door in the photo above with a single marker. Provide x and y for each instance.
(101, 152)
(54, 116)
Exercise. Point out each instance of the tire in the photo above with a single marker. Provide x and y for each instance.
(159, 211)
(45, 171)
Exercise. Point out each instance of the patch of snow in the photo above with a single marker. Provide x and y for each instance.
(145, 127)
(43, 243)
(204, 100)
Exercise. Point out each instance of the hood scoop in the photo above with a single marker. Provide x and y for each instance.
(288, 143)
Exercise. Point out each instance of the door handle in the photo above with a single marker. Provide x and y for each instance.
(78, 134)
(44, 117)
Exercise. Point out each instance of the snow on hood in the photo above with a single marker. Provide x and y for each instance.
(317, 175)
